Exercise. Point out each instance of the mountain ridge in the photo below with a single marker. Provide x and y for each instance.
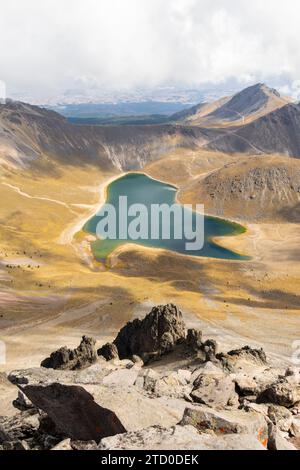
(241, 108)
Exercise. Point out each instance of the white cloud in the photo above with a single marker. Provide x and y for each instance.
(52, 45)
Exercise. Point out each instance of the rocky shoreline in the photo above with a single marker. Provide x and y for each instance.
(157, 386)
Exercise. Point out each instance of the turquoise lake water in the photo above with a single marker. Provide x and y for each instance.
(141, 189)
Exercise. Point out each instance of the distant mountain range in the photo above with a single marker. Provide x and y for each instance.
(239, 109)
(106, 111)
(256, 120)
(262, 184)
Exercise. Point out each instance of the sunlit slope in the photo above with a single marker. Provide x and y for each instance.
(261, 188)
(32, 137)
(242, 108)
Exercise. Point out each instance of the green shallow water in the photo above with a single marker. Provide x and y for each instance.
(141, 189)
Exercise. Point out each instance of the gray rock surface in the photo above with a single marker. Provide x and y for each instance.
(222, 422)
(179, 438)
(193, 398)
(284, 392)
(214, 390)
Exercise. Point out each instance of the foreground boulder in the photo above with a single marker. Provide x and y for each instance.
(179, 438)
(214, 390)
(246, 355)
(112, 387)
(221, 401)
(72, 359)
(284, 392)
(227, 422)
(157, 334)
(74, 411)
(13, 430)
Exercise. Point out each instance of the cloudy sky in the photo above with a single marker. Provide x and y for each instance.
(50, 46)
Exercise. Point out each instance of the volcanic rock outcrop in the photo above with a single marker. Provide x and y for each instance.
(72, 359)
(157, 334)
(197, 399)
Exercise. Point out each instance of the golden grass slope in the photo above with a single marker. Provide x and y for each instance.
(52, 291)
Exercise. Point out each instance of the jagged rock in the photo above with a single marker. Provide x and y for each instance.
(20, 426)
(227, 422)
(249, 385)
(277, 440)
(193, 340)
(266, 376)
(63, 445)
(233, 359)
(27, 430)
(157, 334)
(74, 411)
(281, 417)
(214, 390)
(178, 438)
(72, 359)
(109, 351)
(249, 354)
(284, 393)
